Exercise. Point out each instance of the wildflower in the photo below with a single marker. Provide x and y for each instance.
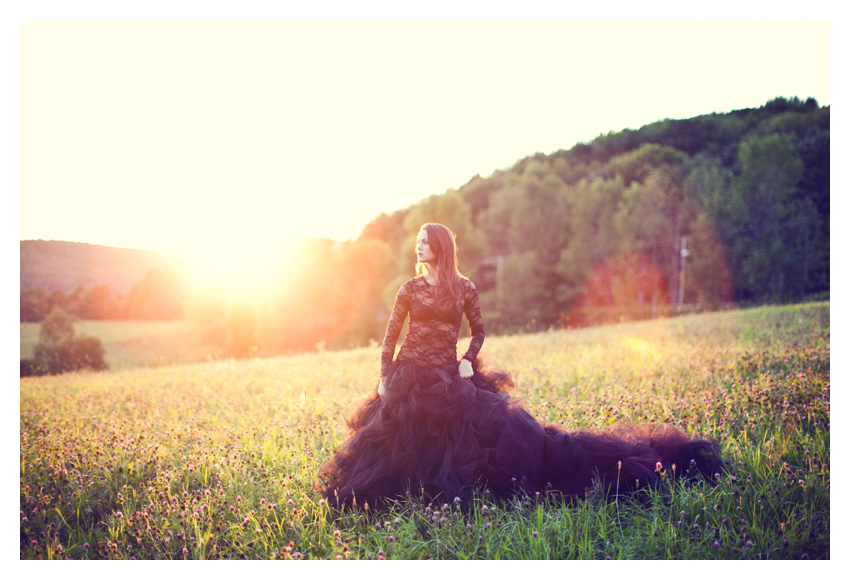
(716, 544)
(658, 466)
(534, 533)
(337, 533)
(86, 545)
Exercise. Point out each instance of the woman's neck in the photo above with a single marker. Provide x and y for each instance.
(432, 276)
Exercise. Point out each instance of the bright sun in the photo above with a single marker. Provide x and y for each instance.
(237, 270)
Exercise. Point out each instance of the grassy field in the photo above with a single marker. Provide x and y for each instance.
(217, 460)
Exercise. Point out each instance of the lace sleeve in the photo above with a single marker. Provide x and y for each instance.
(472, 309)
(400, 309)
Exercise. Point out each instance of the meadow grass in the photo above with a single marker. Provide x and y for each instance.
(217, 460)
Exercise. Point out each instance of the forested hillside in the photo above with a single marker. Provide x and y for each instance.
(98, 282)
(702, 212)
(676, 216)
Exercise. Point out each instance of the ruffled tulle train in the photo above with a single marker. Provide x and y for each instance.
(437, 433)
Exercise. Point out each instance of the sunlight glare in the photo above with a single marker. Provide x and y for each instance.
(236, 270)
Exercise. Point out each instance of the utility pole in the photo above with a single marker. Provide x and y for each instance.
(683, 253)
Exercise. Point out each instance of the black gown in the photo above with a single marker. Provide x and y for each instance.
(437, 433)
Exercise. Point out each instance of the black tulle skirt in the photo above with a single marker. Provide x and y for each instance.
(436, 433)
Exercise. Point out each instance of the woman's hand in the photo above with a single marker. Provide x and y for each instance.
(464, 369)
(381, 389)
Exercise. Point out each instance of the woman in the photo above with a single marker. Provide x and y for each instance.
(441, 426)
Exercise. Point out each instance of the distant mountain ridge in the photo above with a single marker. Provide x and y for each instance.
(51, 265)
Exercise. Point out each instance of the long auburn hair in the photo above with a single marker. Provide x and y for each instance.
(441, 240)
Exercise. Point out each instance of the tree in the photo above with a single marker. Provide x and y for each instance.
(156, 297)
(709, 280)
(638, 164)
(59, 350)
(591, 208)
(33, 305)
(653, 218)
(814, 186)
(98, 304)
(761, 208)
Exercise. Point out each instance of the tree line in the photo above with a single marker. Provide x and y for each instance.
(159, 295)
(677, 216)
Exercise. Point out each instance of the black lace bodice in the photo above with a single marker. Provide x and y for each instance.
(431, 339)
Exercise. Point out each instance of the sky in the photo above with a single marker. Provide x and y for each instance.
(226, 138)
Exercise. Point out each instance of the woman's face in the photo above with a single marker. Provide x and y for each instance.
(423, 249)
